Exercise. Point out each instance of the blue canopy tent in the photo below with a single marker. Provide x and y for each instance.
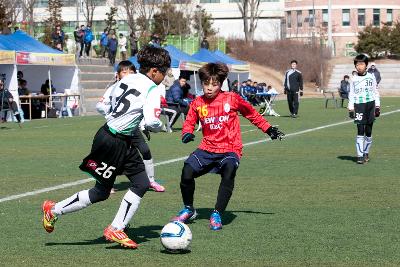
(20, 41)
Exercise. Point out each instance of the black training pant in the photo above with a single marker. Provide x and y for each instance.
(293, 102)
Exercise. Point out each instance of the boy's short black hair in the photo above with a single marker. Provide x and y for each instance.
(361, 58)
(293, 61)
(153, 57)
(346, 76)
(126, 64)
(213, 71)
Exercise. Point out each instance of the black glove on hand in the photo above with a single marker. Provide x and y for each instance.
(377, 111)
(187, 137)
(274, 133)
(301, 93)
(351, 114)
(147, 134)
(285, 92)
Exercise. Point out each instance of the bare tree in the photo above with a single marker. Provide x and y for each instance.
(88, 10)
(250, 14)
(10, 9)
(145, 9)
(130, 9)
(28, 8)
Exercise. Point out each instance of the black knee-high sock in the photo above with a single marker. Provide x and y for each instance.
(228, 173)
(187, 185)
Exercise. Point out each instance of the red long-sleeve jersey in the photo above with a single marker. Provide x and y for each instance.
(220, 121)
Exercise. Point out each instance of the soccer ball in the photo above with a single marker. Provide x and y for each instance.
(176, 237)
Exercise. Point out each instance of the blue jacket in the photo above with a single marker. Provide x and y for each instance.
(175, 94)
(88, 36)
(112, 44)
(104, 39)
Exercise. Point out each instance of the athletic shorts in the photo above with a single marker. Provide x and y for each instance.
(364, 113)
(111, 155)
(203, 161)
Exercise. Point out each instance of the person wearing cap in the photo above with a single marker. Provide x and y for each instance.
(376, 72)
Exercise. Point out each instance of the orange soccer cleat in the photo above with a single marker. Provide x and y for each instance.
(119, 236)
(49, 219)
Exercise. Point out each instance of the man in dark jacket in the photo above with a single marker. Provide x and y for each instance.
(293, 86)
(376, 72)
(112, 49)
(7, 102)
(344, 87)
(175, 98)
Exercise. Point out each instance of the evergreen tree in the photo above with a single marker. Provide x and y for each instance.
(168, 20)
(371, 41)
(111, 22)
(395, 39)
(206, 23)
(53, 20)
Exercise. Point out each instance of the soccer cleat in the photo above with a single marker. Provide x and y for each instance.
(215, 221)
(366, 157)
(49, 219)
(157, 187)
(119, 236)
(360, 160)
(185, 215)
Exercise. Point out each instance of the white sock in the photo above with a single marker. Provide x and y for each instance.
(127, 209)
(149, 167)
(367, 144)
(75, 202)
(360, 145)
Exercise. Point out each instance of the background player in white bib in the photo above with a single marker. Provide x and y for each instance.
(364, 106)
(134, 97)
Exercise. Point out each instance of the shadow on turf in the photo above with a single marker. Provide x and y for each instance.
(140, 235)
(350, 158)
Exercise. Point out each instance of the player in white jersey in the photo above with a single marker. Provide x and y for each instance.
(125, 68)
(134, 97)
(364, 106)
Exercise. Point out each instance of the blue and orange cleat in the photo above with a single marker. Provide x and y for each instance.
(215, 221)
(49, 219)
(185, 215)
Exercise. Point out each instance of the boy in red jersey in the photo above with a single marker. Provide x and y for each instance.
(221, 146)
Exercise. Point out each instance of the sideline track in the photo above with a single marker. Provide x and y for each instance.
(83, 181)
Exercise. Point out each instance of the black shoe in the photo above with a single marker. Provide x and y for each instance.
(360, 160)
(366, 157)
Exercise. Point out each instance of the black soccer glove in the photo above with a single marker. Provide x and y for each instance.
(274, 133)
(187, 137)
(301, 93)
(147, 134)
(285, 91)
(377, 111)
(351, 114)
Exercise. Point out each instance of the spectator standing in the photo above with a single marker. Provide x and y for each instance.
(58, 37)
(134, 44)
(78, 39)
(7, 30)
(375, 72)
(104, 43)
(112, 49)
(168, 80)
(204, 43)
(81, 33)
(293, 86)
(122, 46)
(87, 39)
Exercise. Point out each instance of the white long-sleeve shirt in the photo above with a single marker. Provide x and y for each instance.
(134, 98)
(363, 89)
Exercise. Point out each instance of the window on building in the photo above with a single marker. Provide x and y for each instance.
(325, 17)
(69, 3)
(311, 17)
(361, 17)
(389, 17)
(376, 17)
(299, 18)
(209, 1)
(345, 17)
(42, 3)
(289, 19)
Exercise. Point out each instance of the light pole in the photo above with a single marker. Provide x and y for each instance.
(78, 3)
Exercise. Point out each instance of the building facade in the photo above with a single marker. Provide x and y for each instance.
(225, 15)
(308, 19)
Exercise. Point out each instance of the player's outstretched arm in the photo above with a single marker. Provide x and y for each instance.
(275, 133)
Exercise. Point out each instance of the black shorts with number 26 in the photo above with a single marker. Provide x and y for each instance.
(111, 155)
(364, 113)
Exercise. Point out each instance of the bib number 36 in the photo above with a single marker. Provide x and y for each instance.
(105, 171)
(359, 116)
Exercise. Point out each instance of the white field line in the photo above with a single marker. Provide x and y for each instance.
(83, 181)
